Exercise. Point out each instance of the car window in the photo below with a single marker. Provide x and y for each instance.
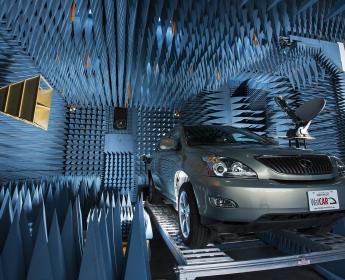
(208, 135)
(241, 137)
(175, 134)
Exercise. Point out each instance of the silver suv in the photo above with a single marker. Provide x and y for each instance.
(226, 179)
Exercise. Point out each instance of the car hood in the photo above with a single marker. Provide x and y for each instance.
(248, 150)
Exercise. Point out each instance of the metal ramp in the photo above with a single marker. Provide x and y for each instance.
(297, 249)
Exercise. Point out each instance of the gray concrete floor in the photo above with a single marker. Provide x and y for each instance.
(163, 263)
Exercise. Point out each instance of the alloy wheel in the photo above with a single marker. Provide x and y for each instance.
(184, 214)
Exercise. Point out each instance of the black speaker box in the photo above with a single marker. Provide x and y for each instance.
(120, 118)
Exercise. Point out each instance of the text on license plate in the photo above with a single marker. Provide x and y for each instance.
(323, 200)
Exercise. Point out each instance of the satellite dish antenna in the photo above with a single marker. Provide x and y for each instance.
(302, 116)
(310, 109)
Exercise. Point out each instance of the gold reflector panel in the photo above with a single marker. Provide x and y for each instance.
(28, 100)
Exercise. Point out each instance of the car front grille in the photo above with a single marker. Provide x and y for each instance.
(298, 165)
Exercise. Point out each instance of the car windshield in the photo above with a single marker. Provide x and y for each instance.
(222, 135)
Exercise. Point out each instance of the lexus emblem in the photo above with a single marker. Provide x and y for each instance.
(306, 163)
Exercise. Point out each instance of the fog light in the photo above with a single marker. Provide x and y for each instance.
(222, 202)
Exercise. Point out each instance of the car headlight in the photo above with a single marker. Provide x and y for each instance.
(227, 167)
(340, 166)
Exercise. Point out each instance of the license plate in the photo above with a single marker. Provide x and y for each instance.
(323, 200)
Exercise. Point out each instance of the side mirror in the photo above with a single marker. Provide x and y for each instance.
(167, 144)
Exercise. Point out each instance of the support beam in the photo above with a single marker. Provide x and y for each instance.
(273, 4)
(305, 5)
(244, 2)
(338, 8)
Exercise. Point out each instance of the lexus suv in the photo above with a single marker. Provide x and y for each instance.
(229, 180)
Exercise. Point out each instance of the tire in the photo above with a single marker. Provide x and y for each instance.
(197, 236)
(154, 195)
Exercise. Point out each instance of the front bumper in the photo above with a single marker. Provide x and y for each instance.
(257, 198)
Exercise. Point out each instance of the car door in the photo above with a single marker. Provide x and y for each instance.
(170, 162)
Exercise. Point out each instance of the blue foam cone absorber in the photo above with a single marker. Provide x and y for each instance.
(137, 266)
(2, 277)
(56, 250)
(91, 263)
(118, 236)
(12, 254)
(69, 246)
(111, 231)
(78, 230)
(6, 216)
(26, 238)
(40, 265)
(105, 244)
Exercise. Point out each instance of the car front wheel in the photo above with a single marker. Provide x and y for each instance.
(193, 233)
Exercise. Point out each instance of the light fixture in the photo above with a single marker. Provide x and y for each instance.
(72, 108)
(255, 39)
(86, 60)
(227, 167)
(72, 15)
(172, 26)
(176, 114)
(222, 202)
(285, 42)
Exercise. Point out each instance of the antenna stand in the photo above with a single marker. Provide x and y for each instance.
(302, 118)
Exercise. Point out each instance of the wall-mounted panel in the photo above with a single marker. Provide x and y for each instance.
(119, 172)
(85, 133)
(120, 149)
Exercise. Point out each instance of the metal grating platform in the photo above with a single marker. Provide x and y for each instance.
(216, 259)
